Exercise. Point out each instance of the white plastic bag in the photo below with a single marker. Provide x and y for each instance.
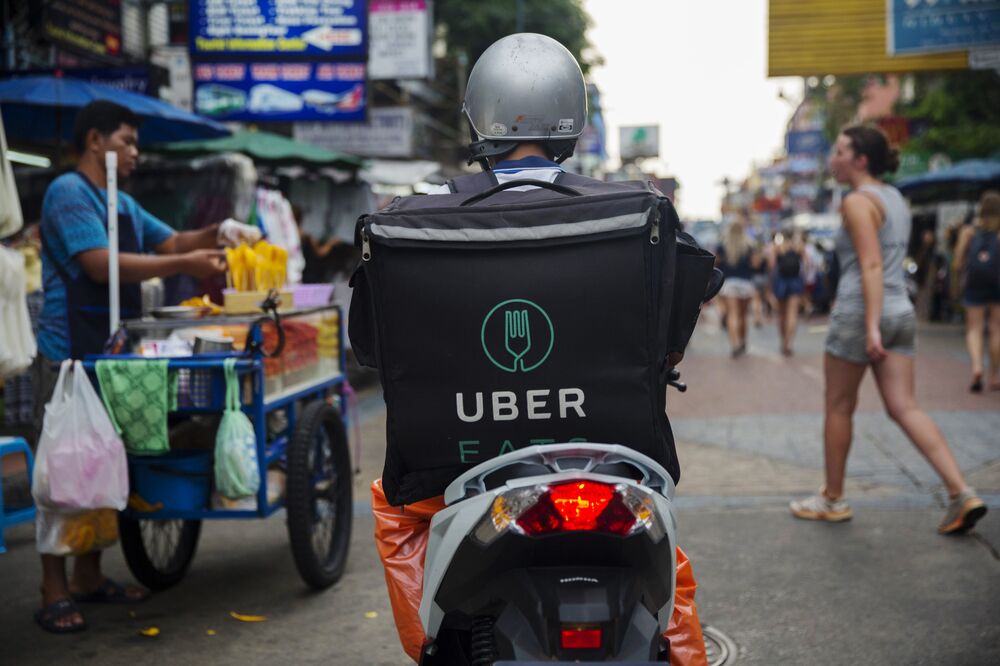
(58, 533)
(236, 471)
(81, 461)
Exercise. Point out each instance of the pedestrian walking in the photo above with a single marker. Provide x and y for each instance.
(873, 325)
(977, 262)
(789, 286)
(734, 259)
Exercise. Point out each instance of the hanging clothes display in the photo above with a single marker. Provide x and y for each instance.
(17, 342)
(273, 213)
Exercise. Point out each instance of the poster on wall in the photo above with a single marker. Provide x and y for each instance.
(88, 27)
(400, 32)
(334, 29)
(286, 92)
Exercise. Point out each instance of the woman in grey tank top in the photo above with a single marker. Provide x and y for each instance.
(872, 324)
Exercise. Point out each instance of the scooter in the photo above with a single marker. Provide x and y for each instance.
(562, 552)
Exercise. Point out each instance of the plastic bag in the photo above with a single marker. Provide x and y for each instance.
(81, 461)
(236, 472)
(401, 535)
(75, 533)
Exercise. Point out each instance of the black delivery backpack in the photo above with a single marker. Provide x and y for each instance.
(501, 319)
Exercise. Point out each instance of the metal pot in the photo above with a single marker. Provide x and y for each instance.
(207, 343)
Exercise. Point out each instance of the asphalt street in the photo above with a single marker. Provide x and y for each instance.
(881, 589)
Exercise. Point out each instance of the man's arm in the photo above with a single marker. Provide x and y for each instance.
(133, 268)
(186, 241)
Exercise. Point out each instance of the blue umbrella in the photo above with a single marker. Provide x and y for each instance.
(42, 109)
(966, 171)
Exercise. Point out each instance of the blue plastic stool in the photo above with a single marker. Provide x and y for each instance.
(9, 445)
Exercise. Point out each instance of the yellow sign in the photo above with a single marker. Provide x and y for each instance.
(818, 37)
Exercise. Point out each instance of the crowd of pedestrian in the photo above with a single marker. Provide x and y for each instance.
(785, 277)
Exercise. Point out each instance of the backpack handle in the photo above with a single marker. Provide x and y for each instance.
(544, 184)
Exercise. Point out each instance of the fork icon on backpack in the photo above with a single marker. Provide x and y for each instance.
(517, 335)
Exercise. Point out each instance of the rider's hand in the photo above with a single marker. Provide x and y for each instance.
(873, 345)
(232, 233)
(674, 358)
(203, 263)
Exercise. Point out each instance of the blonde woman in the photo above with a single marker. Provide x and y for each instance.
(873, 325)
(734, 259)
(977, 262)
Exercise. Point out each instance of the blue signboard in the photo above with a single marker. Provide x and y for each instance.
(280, 91)
(259, 29)
(929, 26)
(808, 142)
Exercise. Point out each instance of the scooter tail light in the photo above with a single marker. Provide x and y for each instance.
(580, 638)
(579, 506)
(585, 506)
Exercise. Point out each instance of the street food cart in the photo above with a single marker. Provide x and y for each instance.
(295, 398)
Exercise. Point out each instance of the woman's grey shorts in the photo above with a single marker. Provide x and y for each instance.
(846, 336)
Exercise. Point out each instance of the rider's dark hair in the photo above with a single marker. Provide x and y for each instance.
(873, 144)
(105, 117)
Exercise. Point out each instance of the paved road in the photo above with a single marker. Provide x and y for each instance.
(883, 588)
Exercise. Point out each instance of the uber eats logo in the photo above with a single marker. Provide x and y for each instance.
(517, 335)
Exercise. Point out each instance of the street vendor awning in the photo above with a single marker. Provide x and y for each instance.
(266, 147)
(42, 110)
(963, 181)
(967, 171)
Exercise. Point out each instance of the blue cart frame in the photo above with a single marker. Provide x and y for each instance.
(295, 400)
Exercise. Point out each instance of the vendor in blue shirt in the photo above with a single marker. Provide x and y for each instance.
(75, 317)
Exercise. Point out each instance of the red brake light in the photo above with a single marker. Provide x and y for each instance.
(578, 506)
(580, 638)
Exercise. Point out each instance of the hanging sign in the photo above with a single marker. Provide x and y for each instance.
(934, 26)
(256, 28)
(280, 91)
(400, 40)
(90, 27)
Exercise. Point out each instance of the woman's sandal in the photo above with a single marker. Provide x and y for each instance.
(48, 617)
(977, 384)
(109, 592)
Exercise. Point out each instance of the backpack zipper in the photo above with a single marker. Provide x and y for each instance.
(366, 246)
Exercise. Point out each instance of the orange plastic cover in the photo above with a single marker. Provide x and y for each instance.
(401, 535)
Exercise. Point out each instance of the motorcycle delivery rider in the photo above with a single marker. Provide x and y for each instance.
(522, 91)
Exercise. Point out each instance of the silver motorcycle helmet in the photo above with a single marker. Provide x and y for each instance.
(525, 87)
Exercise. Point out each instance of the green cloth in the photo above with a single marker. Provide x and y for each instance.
(138, 394)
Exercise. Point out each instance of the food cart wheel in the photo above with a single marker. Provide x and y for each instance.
(158, 552)
(319, 496)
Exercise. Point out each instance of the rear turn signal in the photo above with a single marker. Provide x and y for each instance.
(580, 638)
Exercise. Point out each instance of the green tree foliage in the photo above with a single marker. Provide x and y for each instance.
(962, 113)
(470, 27)
(956, 113)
